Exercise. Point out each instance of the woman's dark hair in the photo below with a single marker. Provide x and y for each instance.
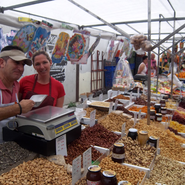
(145, 57)
(39, 53)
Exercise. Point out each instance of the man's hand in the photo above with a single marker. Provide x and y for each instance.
(26, 105)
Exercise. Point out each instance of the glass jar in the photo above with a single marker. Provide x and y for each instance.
(109, 178)
(94, 175)
(163, 103)
(158, 117)
(143, 137)
(152, 114)
(157, 107)
(152, 141)
(132, 133)
(118, 153)
(165, 98)
(163, 110)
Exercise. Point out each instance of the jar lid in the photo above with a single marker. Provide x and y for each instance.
(109, 173)
(124, 183)
(94, 168)
(153, 138)
(158, 114)
(132, 130)
(163, 108)
(143, 132)
(157, 104)
(119, 144)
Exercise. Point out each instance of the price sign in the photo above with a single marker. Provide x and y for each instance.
(90, 97)
(116, 104)
(158, 146)
(123, 130)
(138, 92)
(130, 97)
(135, 118)
(87, 158)
(110, 107)
(76, 170)
(92, 118)
(101, 97)
(61, 148)
(139, 117)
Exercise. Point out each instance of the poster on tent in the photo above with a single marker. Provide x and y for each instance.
(24, 37)
(39, 41)
(86, 35)
(76, 47)
(59, 51)
(111, 50)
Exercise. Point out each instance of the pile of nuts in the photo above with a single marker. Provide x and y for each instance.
(101, 104)
(99, 113)
(96, 135)
(136, 154)
(122, 172)
(114, 122)
(39, 171)
(170, 146)
(166, 171)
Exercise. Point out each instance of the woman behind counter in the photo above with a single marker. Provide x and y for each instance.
(42, 83)
(142, 69)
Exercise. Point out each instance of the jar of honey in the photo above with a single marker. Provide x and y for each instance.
(94, 175)
(158, 117)
(163, 103)
(163, 110)
(152, 141)
(143, 137)
(109, 178)
(118, 153)
(132, 133)
(152, 114)
(157, 107)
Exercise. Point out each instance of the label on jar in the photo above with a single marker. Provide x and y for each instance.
(118, 156)
(151, 144)
(159, 118)
(163, 111)
(93, 182)
(152, 116)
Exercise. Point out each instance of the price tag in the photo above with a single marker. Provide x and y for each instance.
(78, 109)
(130, 97)
(123, 130)
(111, 95)
(85, 103)
(139, 117)
(61, 148)
(101, 97)
(110, 107)
(158, 145)
(92, 118)
(76, 170)
(87, 159)
(90, 97)
(116, 104)
(138, 92)
(118, 92)
(135, 118)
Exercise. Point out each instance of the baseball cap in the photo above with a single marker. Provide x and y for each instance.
(16, 55)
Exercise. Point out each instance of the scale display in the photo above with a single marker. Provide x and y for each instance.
(65, 125)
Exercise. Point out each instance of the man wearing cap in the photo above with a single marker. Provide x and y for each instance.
(12, 61)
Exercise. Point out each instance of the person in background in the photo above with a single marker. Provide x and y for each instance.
(142, 69)
(153, 63)
(42, 82)
(12, 61)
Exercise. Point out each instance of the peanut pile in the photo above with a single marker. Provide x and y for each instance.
(114, 122)
(99, 113)
(37, 172)
(170, 146)
(122, 172)
(166, 171)
(136, 154)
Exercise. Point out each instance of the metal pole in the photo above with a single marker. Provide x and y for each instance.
(109, 24)
(170, 35)
(149, 62)
(158, 54)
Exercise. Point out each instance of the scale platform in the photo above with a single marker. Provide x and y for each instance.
(37, 130)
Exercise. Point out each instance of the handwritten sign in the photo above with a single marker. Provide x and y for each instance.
(110, 107)
(111, 95)
(130, 97)
(116, 104)
(101, 97)
(61, 148)
(76, 169)
(92, 118)
(139, 116)
(87, 158)
(123, 130)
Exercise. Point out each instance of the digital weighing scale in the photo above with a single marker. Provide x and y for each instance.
(38, 129)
